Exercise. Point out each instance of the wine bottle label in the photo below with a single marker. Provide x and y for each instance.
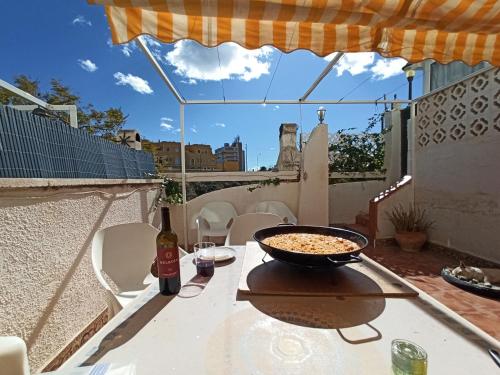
(168, 262)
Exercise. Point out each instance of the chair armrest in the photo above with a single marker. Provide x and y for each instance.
(229, 223)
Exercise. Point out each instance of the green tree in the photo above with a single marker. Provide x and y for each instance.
(24, 83)
(101, 123)
(363, 152)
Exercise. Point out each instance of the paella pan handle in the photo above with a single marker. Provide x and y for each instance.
(353, 259)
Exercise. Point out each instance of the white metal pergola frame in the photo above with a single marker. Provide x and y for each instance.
(70, 108)
(302, 101)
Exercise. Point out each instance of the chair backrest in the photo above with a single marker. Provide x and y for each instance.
(277, 208)
(125, 253)
(218, 212)
(244, 226)
(13, 356)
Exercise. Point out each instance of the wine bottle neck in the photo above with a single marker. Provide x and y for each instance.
(165, 219)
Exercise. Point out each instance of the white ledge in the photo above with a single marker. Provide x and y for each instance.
(29, 183)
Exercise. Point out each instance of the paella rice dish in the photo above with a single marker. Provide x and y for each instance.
(311, 243)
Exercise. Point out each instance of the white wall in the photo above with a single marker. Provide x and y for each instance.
(240, 198)
(392, 147)
(48, 292)
(402, 196)
(457, 177)
(313, 196)
(350, 198)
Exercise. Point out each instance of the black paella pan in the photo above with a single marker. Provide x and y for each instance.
(312, 260)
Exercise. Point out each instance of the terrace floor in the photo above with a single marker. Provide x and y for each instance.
(423, 270)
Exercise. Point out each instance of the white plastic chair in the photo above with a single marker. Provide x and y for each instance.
(125, 253)
(214, 219)
(244, 226)
(277, 208)
(13, 356)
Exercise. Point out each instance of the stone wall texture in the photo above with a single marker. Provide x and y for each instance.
(48, 291)
(457, 177)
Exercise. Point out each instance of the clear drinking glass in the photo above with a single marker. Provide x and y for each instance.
(204, 257)
(408, 358)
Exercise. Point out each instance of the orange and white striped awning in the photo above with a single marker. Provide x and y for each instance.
(444, 30)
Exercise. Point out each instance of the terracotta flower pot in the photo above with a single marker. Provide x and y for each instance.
(411, 241)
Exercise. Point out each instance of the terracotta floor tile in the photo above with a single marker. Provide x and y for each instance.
(423, 270)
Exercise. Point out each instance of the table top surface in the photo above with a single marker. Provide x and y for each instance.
(209, 329)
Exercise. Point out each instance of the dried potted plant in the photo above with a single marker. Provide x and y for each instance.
(411, 227)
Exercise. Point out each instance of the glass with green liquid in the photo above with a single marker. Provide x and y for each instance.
(408, 358)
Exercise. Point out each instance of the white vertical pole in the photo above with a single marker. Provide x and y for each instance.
(412, 134)
(73, 117)
(426, 81)
(183, 177)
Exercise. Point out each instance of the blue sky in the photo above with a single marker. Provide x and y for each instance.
(71, 41)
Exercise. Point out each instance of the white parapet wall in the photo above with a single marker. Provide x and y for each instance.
(313, 196)
(351, 198)
(401, 196)
(348, 199)
(49, 292)
(240, 197)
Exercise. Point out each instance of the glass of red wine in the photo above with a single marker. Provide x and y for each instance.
(204, 257)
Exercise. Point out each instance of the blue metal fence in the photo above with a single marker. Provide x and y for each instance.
(35, 147)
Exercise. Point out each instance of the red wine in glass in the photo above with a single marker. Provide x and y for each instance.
(205, 267)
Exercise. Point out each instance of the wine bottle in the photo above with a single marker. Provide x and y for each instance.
(167, 257)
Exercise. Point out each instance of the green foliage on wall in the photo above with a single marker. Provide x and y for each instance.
(362, 152)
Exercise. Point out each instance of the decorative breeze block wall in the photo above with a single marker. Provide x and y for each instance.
(466, 110)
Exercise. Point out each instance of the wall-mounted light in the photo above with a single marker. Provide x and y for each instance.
(410, 74)
(321, 114)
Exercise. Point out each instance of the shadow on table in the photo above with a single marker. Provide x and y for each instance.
(194, 287)
(278, 278)
(129, 328)
(316, 303)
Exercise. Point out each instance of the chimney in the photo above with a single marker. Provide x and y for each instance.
(289, 157)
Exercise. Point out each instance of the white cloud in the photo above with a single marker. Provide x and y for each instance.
(276, 107)
(153, 44)
(109, 42)
(194, 130)
(386, 68)
(264, 105)
(81, 20)
(355, 63)
(166, 126)
(150, 41)
(195, 62)
(87, 65)
(128, 48)
(167, 119)
(363, 62)
(190, 81)
(137, 83)
(178, 130)
(220, 124)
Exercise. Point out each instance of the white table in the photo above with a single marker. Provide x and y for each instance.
(214, 333)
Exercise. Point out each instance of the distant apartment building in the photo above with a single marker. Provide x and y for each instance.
(231, 157)
(167, 155)
(199, 157)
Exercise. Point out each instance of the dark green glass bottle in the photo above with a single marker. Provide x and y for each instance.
(168, 257)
